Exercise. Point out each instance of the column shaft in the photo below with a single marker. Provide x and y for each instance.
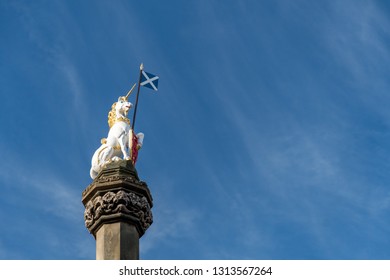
(117, 241)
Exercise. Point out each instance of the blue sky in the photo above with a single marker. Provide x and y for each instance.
(269, 137)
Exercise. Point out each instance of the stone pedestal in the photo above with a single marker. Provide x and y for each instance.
(117, 211)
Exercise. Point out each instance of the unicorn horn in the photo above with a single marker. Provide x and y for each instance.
(128, 94)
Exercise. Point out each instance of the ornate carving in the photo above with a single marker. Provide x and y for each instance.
(121, 201)
(114, 178)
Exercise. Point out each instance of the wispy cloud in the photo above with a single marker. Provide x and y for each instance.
(355, 36)
(170, 225)
(58, 212)
(52, 194)
(308, 167)
(56, 51)
(173, 221)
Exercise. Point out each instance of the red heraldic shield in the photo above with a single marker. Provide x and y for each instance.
(134, 149)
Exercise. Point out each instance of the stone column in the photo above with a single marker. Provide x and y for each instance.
(117, 211)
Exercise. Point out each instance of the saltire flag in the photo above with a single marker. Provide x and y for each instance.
(149, 80)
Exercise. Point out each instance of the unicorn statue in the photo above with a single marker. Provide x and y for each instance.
(121, 141)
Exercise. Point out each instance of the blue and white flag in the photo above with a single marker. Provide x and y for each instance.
(149, 80)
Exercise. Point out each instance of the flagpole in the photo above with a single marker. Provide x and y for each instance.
(136, 99)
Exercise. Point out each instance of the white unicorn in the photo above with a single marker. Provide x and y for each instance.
(120, 141)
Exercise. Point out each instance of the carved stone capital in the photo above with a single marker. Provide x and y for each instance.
(117, 195)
